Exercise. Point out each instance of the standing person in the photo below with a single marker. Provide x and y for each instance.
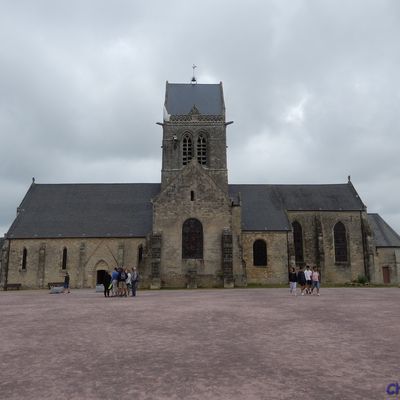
(66, 283)
(301, 278)
(114, 279)
(292, 281)
(106, 284)
(315, 280)
(122, 283)
(135, 281)
(128, 280)
(308, 274)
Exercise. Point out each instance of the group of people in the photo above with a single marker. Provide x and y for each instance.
(307, 279)
(122, 282)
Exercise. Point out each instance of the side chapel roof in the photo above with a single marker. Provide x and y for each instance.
(264, 206)
(85, 210)
(384, 235)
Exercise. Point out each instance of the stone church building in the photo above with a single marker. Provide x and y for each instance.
(194, 229)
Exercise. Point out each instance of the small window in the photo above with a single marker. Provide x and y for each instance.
(191, 195)
(64, 258)
(260, 253)
(202, 150)
(340, 241)
(24, 258)
(187, 149)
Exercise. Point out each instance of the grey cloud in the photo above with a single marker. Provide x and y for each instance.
(312, 86)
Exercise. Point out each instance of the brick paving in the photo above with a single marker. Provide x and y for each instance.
(200, 344)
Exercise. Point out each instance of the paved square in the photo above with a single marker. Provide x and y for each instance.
(200, 344)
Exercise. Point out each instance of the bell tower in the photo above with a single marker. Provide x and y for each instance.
(194, 130)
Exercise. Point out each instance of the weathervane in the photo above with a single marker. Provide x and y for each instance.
(194, 81)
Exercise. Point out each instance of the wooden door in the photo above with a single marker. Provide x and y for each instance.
(386, 275)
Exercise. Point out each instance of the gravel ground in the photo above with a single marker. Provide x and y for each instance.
(200, 344)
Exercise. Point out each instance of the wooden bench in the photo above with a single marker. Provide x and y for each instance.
(12, 286)
(51, 284)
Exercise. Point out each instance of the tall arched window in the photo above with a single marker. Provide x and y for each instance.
(64, 258)
(202, 150)
(298, 242)
(187, 149)
(340, 240)
(24, 258)
(140, 254)
(192, 239)
(259, 253)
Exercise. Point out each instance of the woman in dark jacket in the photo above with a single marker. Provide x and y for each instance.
(301, 278)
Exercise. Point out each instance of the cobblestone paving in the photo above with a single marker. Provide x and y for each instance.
(200, 344)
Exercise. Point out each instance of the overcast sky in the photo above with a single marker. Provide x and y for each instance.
(312, 85)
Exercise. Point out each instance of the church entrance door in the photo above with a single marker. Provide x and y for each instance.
(100, 277)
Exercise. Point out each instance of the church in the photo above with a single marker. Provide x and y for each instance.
(195, 229)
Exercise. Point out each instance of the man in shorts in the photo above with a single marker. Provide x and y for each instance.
(308, 274)
(122, 283)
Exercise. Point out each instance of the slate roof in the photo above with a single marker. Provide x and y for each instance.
(384, 235)
(263, 206)
(125, 210)
(85, 210)
(181, 97)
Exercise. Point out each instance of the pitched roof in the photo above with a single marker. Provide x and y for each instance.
(85, 210)
(125, 210)
(263, 206)
(181, 97)
(384, 235)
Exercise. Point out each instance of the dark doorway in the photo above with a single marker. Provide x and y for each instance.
(386, 275)
(100, 277)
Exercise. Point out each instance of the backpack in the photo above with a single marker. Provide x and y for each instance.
(123, 276)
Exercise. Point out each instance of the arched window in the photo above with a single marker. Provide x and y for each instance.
(64, 258)
(192, 239)
(202, 150)
(187, 149)
(24, 258)
(298, 242)
(140, 254)
(340, 240)
(259, 253)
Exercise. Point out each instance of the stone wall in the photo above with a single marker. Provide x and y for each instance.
(215, 133)
(85, 258)
(318, 243)
(194, 194)
(276, 270)
(387, 257)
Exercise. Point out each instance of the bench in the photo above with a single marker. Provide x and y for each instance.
(12, 286)
(55, 284)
